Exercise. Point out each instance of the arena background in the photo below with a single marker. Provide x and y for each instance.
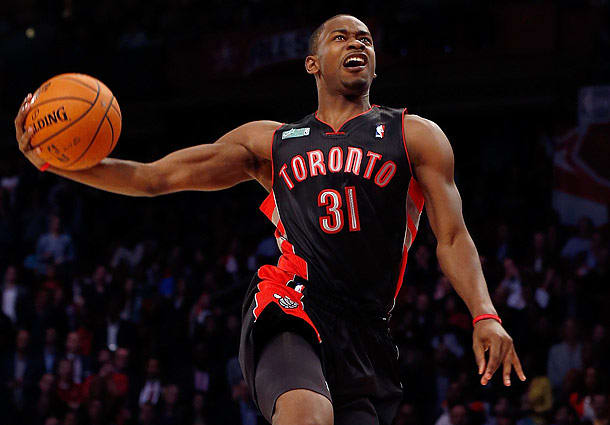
(126, 310)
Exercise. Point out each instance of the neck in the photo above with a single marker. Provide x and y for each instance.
(336, 109)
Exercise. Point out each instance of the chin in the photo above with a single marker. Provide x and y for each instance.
(357, 85)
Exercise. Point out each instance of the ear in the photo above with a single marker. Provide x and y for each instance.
(312, 64)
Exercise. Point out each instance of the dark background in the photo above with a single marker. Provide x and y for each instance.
(500, 78)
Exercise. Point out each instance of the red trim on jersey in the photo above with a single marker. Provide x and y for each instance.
(268, 206)
(288, 261)
(416, 194)
(403, 266)
(344, 122)
(274, 287)
(294, 264)
(334, 133)
(412, 228)
(404, 140)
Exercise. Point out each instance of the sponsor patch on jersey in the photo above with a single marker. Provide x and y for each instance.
(295, 132)
(380, 131)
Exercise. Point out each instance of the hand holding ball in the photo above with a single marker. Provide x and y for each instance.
(75, 121)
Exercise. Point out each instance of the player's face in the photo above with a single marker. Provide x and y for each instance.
(346, 57)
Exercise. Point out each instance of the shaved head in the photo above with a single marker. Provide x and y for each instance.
(315, 35)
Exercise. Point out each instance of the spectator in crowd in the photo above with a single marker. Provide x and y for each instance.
(513, 286)
(601, 413)
(171, 413)
(48, 404)
(147, 415)
(565, 356)
(80, 364)
(407, 415)
(565, 415)
(240, 393)
(198, 414)
(54, 247)
(68, 390)
(151, 389)
(13, 295)
(19, 372)
(50, 356)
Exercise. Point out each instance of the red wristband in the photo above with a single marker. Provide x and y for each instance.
(44, 167)
(486, 316)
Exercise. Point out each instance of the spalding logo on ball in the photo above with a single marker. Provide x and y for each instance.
(76, 121)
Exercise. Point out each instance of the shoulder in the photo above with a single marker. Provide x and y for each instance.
(425, 140)
(417, 125)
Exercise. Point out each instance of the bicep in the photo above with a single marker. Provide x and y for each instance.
(234, 158)
(205, 167)
(434, 167)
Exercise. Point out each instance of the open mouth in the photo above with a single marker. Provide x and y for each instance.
(355, 62)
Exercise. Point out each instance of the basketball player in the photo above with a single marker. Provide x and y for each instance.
(346, 189)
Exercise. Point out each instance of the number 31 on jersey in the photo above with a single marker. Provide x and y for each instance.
(333, 221)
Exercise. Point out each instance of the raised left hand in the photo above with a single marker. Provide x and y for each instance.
(490, 336)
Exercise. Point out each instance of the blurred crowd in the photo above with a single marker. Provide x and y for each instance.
(123, 310)
(119, 311)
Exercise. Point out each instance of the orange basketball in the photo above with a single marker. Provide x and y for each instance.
(76, 121)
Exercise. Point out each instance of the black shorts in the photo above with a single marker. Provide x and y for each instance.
(357, 357)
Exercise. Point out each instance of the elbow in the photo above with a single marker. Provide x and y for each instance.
(451, 239)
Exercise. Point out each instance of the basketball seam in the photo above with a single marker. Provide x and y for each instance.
(62, 98)
(111, 140)
(94, 136)
(76, 80)
(71, 124)
(116, 108)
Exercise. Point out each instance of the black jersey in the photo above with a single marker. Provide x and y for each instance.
(346, 205)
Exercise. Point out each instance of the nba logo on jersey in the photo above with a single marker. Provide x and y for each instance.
(379, 131)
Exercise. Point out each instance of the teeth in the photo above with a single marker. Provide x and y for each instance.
(355, 59)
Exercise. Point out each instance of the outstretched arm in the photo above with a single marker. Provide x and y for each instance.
(432, 159)
(240, 155)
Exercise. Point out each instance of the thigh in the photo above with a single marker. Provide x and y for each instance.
(288, 362)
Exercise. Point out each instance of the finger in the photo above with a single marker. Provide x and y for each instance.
(24, 141)
(517, 365)
(26, 99)
(21, 115)
(479, 355)
(495, 350)
(506, 368)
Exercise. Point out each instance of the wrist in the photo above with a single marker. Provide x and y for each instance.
(486, 317)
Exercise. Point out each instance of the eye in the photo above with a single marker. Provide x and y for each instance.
(366, 40)
(339, 36)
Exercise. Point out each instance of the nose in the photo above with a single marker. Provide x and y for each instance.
(355, 44)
